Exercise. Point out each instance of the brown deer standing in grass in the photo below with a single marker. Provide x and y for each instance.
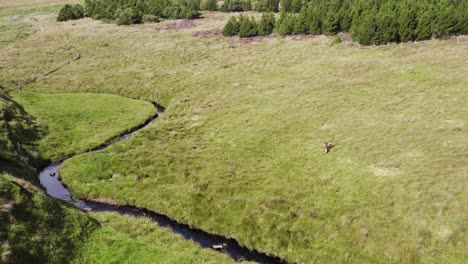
(327, 146)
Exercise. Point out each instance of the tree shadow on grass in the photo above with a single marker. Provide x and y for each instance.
(19, 134)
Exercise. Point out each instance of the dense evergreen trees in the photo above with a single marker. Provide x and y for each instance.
(267, 6)
(370, 21)
(232, 27)
(285, 24)
(69, 12)
(210, 5)
(248, 27)
(236, 5)
(267, 24)
(132, 11)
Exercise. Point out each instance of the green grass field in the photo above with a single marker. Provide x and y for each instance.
(238, 150)
(75, 123)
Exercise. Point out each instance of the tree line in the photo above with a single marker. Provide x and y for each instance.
(70, 12)
(368, 21)
(125, 12)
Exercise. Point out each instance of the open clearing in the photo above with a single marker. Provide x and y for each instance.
(238, 150)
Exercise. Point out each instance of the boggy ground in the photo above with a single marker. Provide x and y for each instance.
(238, 151)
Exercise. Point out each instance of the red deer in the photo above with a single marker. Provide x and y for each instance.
(327, 146)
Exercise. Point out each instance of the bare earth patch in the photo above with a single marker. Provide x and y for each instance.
(185, 24)
(302, 37)
(204, 33)
(257, 38)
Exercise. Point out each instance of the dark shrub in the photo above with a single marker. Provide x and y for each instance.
(266, 25)
(65, 13)
(285, 24)
(129, 16)
(231, 28)
(248, 27)
(210, 5)
(246, 5)
(133, 10)
(300, 25)
(69, 12)
(236, 6)
(78, 11)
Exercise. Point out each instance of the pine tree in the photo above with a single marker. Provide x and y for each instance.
(78, 11)
(346, 16)
(271, 5)
(246, 5)
(236, 6)
(314, 22)
(210, 5)
(331, 17)
(446, 21)
(364, 27)
(192, 8)
(231, 28)
(129, 16)
(248, 27)
(407, 21)
(463, 17)
(387, 24)
(286, 5)
(300, 23)
(65, 13)
(285, 25)
(226, 5)
(69, 12)
(266, 25)
(425, 20)
(296, 6)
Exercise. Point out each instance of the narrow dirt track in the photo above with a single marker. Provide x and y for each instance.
(33, 21)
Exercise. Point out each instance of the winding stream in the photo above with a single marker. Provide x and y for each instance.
(50, 179)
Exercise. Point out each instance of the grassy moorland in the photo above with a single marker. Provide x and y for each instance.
(79, 122)
(238, 151)
(38, 229)
(12, 30)
(124, 239)
(21, 7)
